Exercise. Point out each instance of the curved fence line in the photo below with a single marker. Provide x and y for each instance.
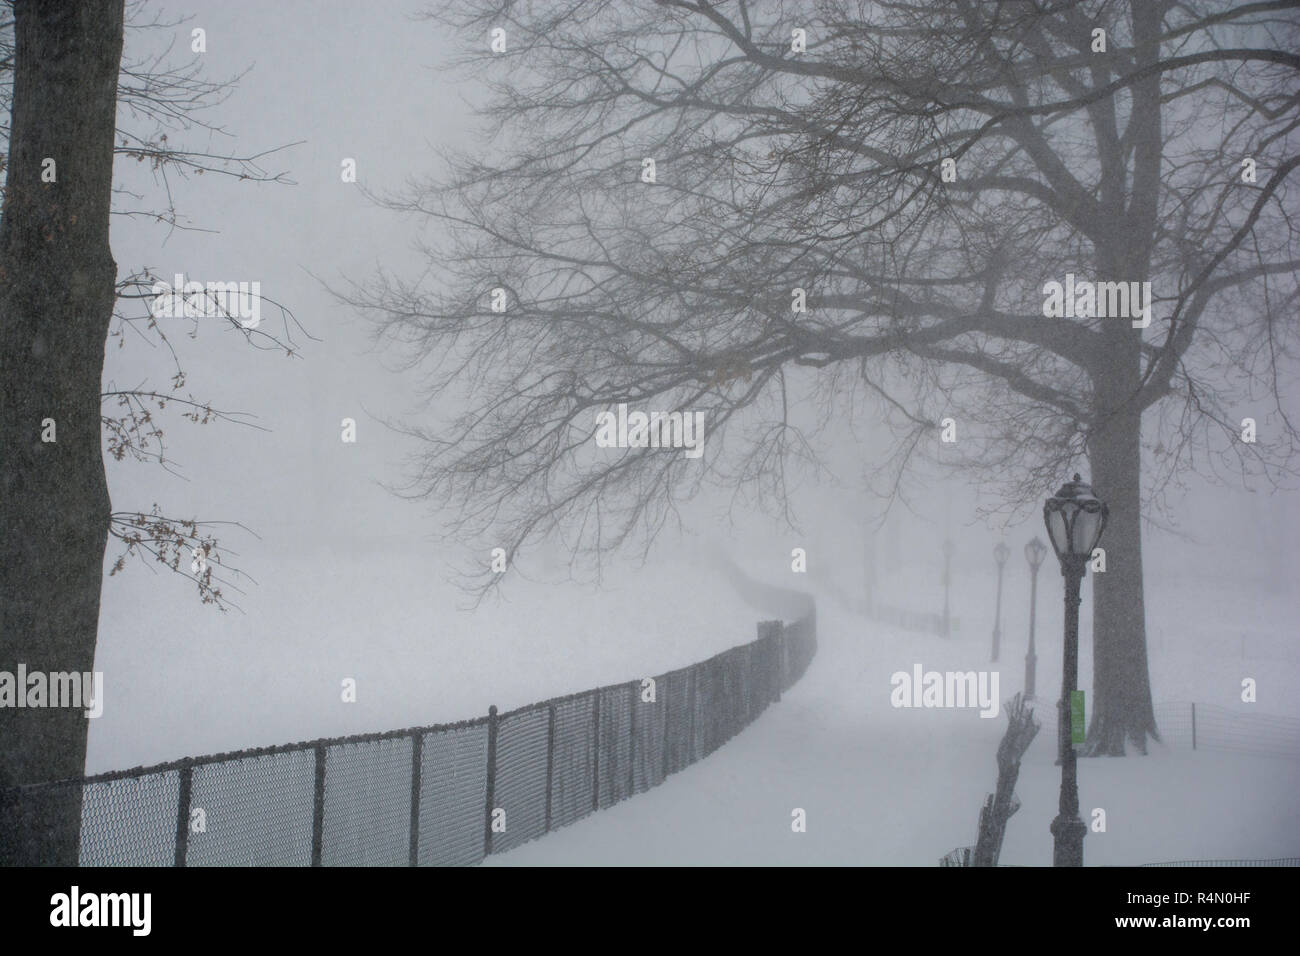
(445, 794)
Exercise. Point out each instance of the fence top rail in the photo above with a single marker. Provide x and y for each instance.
(254, 752)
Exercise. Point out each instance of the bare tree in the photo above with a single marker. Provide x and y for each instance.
(921, 171)
(163, 99)
(62, 78)
(160, 95)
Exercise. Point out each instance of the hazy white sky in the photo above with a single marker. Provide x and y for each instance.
(347, 80)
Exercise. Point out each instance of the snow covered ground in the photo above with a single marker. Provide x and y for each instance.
(903, 787)
(880, 785)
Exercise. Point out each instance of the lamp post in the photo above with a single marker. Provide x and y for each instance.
(947, 581)
(1035, 551)
(1075, 519)
(1000, 554)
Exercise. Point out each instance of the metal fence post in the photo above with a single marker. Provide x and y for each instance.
(318, 810)
(417, 752)
(737, 708)
(746, 688)
(595, 740)
(631, 738)
(746, 685)
(1193, 725)
(183, 801)
(491, 795)
(690, 705)
(550, 761)
(774, 652)
(783, 665)
(667, 725)
(769, 632)
(731, 694)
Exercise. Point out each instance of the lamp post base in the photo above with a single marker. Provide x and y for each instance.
(1068, 847)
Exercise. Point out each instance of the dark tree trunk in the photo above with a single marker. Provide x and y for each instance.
(57, 278)
(1121, 687)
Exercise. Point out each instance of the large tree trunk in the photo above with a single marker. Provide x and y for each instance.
(57, 279)
(1121, 687)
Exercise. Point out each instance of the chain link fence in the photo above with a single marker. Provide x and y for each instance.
(1188, 725)
(426, 796)
(1211, 727)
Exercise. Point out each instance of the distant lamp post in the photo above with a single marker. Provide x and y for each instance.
(1000, 554)
(947, 582)
(1035, 551)
(1075, 519)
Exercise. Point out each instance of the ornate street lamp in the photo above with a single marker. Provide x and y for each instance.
(1000, 554)
(1075, 519)
(947, 581)
(1035, 551)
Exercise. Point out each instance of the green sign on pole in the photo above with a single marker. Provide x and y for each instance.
(1077, 734)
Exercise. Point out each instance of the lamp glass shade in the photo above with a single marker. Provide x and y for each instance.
(1075, 519)
(1001, 552)
(1035, 551)
(1058, 531)
(1088, 523)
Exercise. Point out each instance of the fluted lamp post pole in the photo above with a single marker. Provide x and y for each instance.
(1035, 551)
(1000, 554)
(1075, 519)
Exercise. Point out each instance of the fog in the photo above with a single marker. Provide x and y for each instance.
(348, 580)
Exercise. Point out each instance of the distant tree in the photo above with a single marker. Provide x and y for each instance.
(665, 177)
